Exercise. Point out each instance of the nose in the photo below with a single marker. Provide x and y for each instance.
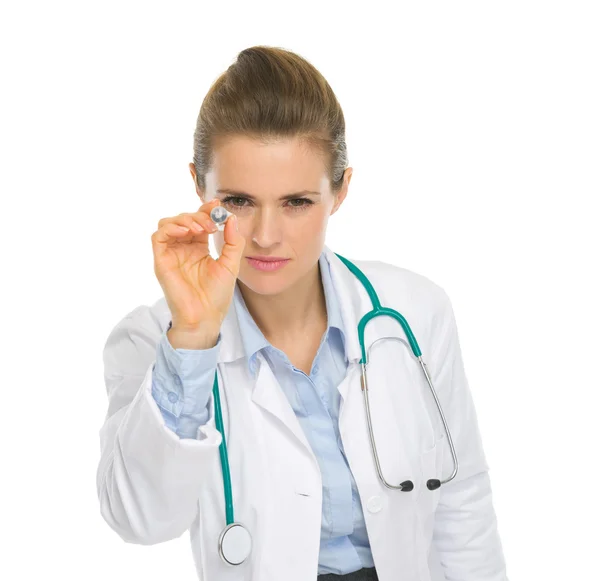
(266, 229)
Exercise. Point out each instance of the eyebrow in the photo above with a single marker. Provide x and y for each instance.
(286, 197)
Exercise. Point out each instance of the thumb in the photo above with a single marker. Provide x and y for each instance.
(231, 254)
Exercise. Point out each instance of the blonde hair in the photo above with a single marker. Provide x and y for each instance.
(267, 94)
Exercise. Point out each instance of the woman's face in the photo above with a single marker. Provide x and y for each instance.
(252, 180)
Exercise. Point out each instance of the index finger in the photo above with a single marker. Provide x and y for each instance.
(205, 208)
(208, 206)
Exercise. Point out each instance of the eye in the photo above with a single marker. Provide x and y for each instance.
(305, 203)
(229, 200)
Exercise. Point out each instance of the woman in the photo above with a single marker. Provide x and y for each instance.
(276, 317)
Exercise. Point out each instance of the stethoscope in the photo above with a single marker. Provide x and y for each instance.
(235, 541)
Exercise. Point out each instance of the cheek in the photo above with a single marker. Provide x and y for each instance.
(322, 218)
(311, 220)
(316, 217)
(306, 229)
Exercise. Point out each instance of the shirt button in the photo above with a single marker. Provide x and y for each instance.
(374, 504)
(177, 380)
(173, 397)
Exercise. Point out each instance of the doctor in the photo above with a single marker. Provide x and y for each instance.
(275, 317)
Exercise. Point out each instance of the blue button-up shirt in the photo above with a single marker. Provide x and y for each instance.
(182, 380)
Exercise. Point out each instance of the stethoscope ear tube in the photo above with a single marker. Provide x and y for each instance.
(379, 311)
(434, 484)
(405, 486)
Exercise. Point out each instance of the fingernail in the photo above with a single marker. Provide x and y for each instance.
(234, 218)
(197, 227)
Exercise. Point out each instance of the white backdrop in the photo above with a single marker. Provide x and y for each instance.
(475, 125)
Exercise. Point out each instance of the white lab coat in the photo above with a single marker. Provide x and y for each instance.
(152, 486)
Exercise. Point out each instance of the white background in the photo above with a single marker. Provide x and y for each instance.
(474, 125)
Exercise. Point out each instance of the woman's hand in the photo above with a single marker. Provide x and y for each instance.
(198, 289)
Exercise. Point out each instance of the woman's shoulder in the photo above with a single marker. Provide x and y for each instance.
(394, 278)
(402, 288)
(422, 301)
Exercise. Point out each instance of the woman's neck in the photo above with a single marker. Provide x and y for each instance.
(291, 313)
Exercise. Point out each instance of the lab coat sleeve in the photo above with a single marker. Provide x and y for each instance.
(182, 381)
(147, 478)
(465, 527)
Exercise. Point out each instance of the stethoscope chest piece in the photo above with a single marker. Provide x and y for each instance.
(235, 544)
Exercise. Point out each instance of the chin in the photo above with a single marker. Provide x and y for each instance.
(264, 283)
(264, 287)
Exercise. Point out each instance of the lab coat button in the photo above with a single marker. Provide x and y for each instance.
(173, 397)
(177, 380)
(374, 504)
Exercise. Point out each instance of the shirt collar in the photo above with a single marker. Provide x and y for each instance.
(253, 338)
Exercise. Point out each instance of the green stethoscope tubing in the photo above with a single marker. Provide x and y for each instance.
(223, 454)
(377, 311)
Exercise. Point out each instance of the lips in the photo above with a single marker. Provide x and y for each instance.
(268, 258)
(267, 264)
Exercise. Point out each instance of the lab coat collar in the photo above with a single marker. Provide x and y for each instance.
(353, 302)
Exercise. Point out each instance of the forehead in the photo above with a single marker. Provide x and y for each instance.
(282, 166)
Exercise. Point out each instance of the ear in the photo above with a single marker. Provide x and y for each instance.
(199, 192)
(343, 192)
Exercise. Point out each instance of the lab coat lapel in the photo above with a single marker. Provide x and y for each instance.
(267, 394)
(266, 391)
